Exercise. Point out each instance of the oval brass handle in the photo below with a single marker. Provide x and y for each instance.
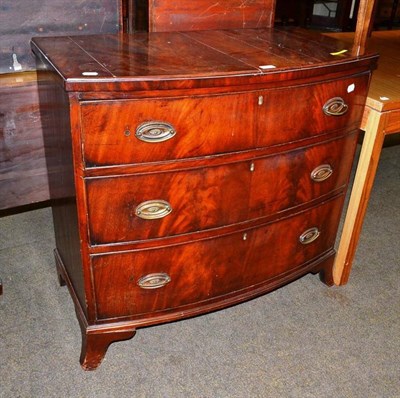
(308, 236)
(335, 106)
(155, 132)
(154, 281)
(321, 173)
(153, 209)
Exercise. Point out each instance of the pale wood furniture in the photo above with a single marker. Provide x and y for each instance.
(381, 117)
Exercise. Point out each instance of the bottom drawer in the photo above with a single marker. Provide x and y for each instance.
(144, 281)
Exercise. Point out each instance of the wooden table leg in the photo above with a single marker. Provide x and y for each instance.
(363, 182)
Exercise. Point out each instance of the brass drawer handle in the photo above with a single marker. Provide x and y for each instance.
(155, 132)
(309, 236)
(321, 173)
(153, 209)
(154, 281)
(335, 107)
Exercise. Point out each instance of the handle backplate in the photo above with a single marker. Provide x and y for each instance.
(153, 209)
(155, 132)
(335, 106)
(154, 281)
(308, 236)
(321, 172)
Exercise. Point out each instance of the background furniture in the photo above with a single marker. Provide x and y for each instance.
(165, 15)
(23, 172)
(387, 14)
(337, 15)
(381, 118)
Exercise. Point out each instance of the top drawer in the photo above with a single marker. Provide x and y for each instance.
(148, 130)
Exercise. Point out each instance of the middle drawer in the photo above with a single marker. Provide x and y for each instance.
(145, 206)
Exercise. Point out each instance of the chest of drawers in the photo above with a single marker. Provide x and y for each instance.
(194, 170)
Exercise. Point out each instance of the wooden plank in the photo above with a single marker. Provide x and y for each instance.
(251, 53)
(167, 15)
(143, 60)
(364, 18)
(141, 55)
(360, 193)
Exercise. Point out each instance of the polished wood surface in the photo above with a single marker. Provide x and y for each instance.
(270, 188)
(188, 116)
(166, 15)
(204, 271)
(146, 61)
(381, 117)
(240, 148)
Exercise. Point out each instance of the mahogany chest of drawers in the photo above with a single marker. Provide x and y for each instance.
(194, 170)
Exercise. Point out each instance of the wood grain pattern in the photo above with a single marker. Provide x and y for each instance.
(204, 199)
(363, 28)
(165, 15)
(242, 124)
(237, 172)
(145, 61)
(205, 270)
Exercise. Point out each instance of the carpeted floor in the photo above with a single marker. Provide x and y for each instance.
(303, 340)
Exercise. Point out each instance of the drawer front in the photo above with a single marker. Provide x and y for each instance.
(129, 208)
(132, 283)
(134, 131)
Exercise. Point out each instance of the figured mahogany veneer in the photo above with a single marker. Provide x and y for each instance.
(195, 170)
(255, 117)
(250, 189)
(206, 270)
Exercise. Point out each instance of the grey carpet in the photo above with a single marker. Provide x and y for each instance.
(303, 340)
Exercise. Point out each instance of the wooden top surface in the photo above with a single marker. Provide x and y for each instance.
(384, 92)
(192, 59)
